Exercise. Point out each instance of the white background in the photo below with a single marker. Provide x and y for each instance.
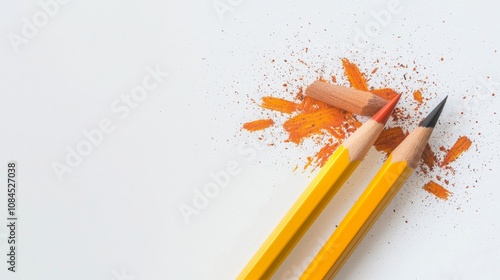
(116, 215)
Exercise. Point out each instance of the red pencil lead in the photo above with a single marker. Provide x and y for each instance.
(383, 114)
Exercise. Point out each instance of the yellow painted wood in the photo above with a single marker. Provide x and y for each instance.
(300, 217)
(358, 220)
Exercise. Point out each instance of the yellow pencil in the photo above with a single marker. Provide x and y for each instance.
(317, 195)
(386, 183)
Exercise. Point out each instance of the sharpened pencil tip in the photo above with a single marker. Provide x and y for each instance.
(432, 118)
(383, 114)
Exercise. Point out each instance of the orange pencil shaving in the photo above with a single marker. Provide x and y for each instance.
(389, 139)
(354, 75)
(305, 124)
(463, 144)
(279, 104)
(417, 95)
(258, 125)
(437, 190)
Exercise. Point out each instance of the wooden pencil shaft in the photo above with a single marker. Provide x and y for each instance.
(411, 149)
(360, 142)
(369, 223)
(358, 221)
(299, 218)
(369, 206)
(352, 100)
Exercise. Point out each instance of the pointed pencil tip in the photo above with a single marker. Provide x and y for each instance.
(383, 114)
(432, 118)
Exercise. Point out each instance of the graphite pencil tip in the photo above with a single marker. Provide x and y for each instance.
(432, 118)
(383, 114)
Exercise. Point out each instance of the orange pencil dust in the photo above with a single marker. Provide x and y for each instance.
(429, 157)
(463, 144)
(258, 125)
(307, 123)
(417, 95)
(437, 190)
(389, 139)
(278, 104)
(355, 76)
(306, 117)
(324, 154)
(313, 118)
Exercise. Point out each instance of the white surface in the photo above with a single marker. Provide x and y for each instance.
(116, 215)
